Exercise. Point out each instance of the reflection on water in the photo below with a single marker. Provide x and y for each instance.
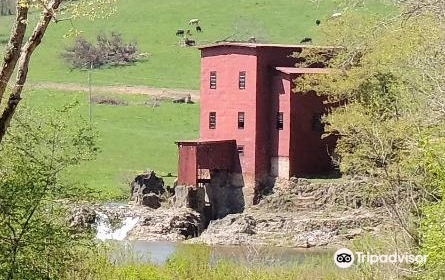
(160, 252)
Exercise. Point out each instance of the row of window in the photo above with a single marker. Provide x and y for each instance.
(241, 80)
(317, 123)
(241, 120)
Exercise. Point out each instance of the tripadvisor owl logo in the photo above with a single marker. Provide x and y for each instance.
(344, 258)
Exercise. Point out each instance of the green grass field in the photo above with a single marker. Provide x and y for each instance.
(132, 138)
(153, 25)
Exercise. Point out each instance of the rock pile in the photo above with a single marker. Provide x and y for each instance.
(162, 224)
(147, 189)
(81, 218)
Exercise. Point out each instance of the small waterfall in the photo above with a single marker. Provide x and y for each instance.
(105, 232)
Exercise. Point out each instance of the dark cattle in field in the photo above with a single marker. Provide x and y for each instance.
(190, 42)
(180, 32)
(318, 22)
(198, 29)
(306, 40)
(179, 100)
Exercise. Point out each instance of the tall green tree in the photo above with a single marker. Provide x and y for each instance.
(390, 73)
(35, 239)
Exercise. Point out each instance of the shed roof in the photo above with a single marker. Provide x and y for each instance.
(260, 45)
(204, 141)
(295, 70)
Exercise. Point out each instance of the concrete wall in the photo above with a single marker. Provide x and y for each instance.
(224, 197)
(280, 167)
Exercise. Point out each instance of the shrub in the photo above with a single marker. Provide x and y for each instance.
(109, 50)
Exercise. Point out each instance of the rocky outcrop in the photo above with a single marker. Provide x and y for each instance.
(300, 195)
(151, 200)
(299, 213)
(289, 230)
(147, 189)
(158, 225)
(296, 213)
(81, 218)
(189, 197)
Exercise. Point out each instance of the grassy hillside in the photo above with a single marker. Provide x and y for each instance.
(132, 138)
(137, 137)
(153, 24)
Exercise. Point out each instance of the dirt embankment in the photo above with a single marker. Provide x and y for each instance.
(121, 89)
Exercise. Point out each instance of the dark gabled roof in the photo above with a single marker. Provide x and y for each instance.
(260, 45)
(295, 70)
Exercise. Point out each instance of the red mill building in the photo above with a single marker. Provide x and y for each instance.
(253, 127)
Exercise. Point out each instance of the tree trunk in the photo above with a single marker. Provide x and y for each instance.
(12, 51)
(22, 71)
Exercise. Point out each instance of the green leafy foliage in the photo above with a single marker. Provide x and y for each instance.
(35, 240)
(195, 262)
(389, 74)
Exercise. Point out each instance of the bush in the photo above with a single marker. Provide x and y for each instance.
(109, 50)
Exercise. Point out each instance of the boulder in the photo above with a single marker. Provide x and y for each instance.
(189, 197)
(151, 200)
(146, 189)
(81, 218)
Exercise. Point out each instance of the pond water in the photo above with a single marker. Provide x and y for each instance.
(159, 252)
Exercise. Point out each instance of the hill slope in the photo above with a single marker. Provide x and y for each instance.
(153, 25)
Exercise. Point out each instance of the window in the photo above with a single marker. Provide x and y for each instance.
(242, 80)
(240, 150)
(317, 123)
(212, 120)
(213, 80)
(240, 120)
(280, 121)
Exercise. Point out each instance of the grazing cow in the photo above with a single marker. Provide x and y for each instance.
(318, 22)
(198, 28)
(179, 100)
(306, 40)
(336, 15)
(194, 21)
(189, 42)
(180, 32)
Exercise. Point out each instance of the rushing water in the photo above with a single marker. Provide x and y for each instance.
(106, 232)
